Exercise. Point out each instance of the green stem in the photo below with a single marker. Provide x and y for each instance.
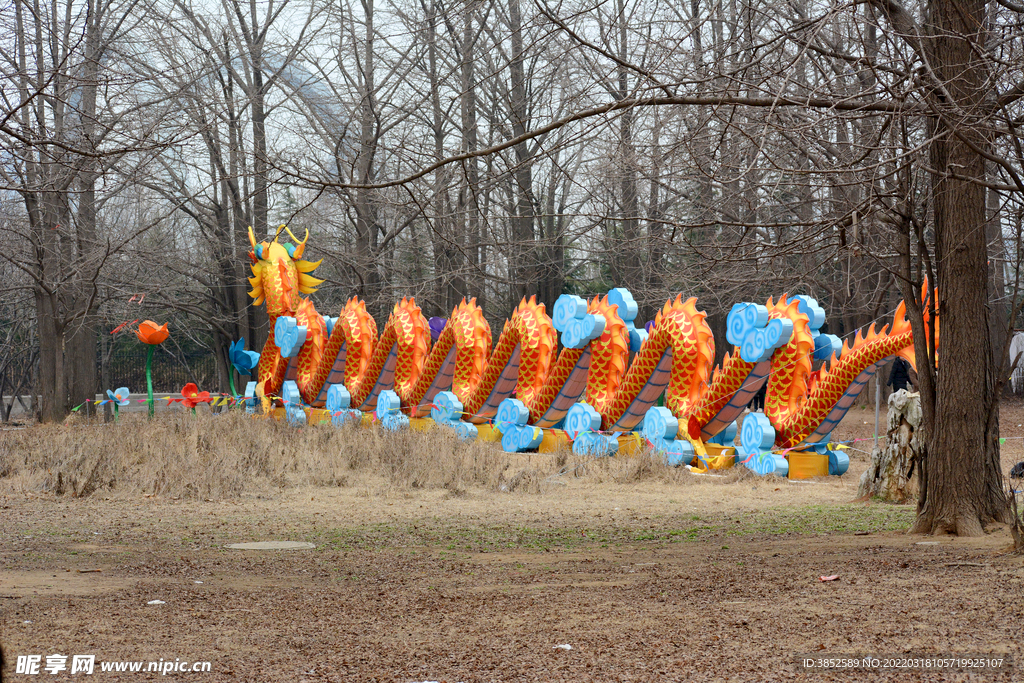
(231, 381)
(149, 377)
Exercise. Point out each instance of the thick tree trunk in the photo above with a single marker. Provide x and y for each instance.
(81, 358)
(469, 196)
(522, 265)
(367, 226)
(440, 220)
(962, 485)
(52, 385)
(46, 215)
(627, 253)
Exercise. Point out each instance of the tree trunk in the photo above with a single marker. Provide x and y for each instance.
(627, 252)
(367, 226)
(654, 283)
(252, 320)
(1000, 313)
(470, 192)
(551, 270)
(438, 222)
(82, 339)
(108, 412)
(892, 467)
(522, 265)
(962, 485)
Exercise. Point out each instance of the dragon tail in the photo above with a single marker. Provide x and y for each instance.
(845, 376)
(902, 324)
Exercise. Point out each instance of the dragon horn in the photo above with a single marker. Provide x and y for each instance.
(252, 238)
(301, 246)
(278, 233)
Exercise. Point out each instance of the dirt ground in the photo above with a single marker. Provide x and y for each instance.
(713, 579)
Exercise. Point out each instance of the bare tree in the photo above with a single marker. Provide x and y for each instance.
(69, 122)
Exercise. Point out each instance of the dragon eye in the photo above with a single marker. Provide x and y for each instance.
(259, 251)
(290, 248)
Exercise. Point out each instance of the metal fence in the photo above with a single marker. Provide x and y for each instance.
(127, 368)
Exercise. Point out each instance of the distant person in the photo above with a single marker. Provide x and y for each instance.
(1018, 471)
(899, 376)
(757, 403)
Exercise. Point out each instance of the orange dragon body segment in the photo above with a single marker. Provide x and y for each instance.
(755, 332)
(304, 370)
(456, 361)
(473, 343)
(574, 371)
(438, 370)
(349, 349)
(609, 357)
(397, 359)
(548, 382)
(791, 365)
(676, 358)
(271, 369)
(520, 361)
(732, 387)
(585, 329)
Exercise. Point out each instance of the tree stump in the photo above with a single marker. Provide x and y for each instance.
(890, 475)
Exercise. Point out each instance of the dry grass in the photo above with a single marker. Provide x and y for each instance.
(205, 456)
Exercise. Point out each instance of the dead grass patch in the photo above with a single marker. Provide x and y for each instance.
(217, 456)
(223, 456)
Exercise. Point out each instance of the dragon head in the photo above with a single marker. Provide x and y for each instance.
(280, 274)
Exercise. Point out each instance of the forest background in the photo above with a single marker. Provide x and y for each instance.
(724, 149)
